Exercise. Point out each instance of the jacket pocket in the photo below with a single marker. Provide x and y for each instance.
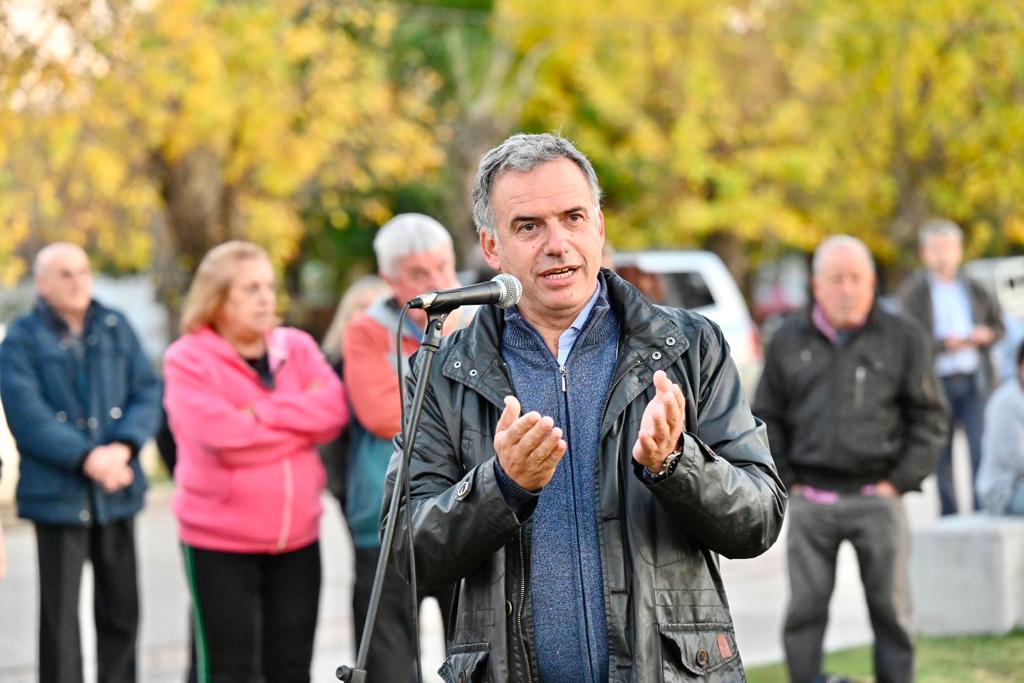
(465, 663)
(699, 651)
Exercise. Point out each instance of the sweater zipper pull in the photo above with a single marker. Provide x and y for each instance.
(561, 369)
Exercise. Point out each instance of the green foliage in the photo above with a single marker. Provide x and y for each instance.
(782, 122)
(208, 121)
(159, 129)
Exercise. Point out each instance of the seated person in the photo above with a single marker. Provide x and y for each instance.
(1000, 486)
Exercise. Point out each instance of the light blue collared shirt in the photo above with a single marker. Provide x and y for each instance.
(951, 311)
(568, 338)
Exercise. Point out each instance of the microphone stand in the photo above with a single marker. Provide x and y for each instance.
(431, 341)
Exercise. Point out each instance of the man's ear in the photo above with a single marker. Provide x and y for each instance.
(491, 249)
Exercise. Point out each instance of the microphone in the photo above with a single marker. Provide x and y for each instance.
(503, 291)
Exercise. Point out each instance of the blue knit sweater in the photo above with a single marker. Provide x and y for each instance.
(567, 587)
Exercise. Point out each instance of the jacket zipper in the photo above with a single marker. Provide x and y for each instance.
(858, 389)
(615, 383)
(561, 370)
(522, 566)
(289, 496)
(519, 612)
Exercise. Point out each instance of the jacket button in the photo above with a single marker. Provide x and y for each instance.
(116, 413)
(508, 607)
(457, 364)
(111, 320)
(671, 341)
(656, 355)
(472, 373)
(62, 416)
(93, 423)
(463, 489)
(84, 515)
(702, 658)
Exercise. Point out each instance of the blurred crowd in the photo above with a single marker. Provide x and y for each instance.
(255, 420)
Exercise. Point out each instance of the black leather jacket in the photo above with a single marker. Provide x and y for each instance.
(842, 416)
(666, 607)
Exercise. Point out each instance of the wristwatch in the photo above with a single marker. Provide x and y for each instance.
(669, 465)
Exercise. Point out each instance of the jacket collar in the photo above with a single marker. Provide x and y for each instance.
(56, 324)
(650, 339)
(277, 348)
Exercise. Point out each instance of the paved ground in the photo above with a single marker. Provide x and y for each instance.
(757, 592)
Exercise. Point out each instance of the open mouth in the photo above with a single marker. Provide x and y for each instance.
(559, 273)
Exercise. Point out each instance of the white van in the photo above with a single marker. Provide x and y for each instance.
(699, 281)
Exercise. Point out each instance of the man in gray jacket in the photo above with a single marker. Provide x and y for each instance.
(964, 321)
(856, 419)
(583, 456)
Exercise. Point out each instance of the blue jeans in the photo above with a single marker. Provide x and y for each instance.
(967, 409)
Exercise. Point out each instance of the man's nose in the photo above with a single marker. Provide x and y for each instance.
(556, 242)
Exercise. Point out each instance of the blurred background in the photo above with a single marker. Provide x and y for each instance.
(149, 131)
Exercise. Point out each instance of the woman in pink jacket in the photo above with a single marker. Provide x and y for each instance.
(248, 402)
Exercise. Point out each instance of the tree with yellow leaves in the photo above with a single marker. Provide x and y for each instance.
(776, 122)
(154, 131)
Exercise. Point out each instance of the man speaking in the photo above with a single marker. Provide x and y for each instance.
(582, 456)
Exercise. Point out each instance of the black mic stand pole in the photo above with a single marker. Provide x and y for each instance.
(431, 341)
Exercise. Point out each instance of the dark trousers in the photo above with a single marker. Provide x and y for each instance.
(967, 409)
(63, 550)
(254, 614)
(877, 528)
(392, 657)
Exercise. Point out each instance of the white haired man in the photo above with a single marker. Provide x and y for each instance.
(855, 419)
(414, 255)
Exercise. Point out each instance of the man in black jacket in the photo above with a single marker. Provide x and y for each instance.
(582, 457)
(855, 419)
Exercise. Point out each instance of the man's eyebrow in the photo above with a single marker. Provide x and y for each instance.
(575, 209)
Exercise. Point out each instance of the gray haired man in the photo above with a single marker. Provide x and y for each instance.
(964, 321)
(583, 456)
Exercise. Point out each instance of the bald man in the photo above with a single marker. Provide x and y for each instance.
(81, 399)
(855, 419)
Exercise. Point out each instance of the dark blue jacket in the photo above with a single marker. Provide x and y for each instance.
(62, 399)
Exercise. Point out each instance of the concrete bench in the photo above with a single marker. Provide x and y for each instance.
(967, 575)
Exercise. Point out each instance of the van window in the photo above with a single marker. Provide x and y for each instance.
(687, 290)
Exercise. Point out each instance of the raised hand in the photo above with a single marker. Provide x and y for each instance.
(661, 425)
(529, 447)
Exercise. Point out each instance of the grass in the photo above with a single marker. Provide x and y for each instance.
(974, 659)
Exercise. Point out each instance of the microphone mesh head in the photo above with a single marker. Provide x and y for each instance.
(511, 289)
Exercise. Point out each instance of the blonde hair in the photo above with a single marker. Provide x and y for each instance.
(213, 279)
(334, 340)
